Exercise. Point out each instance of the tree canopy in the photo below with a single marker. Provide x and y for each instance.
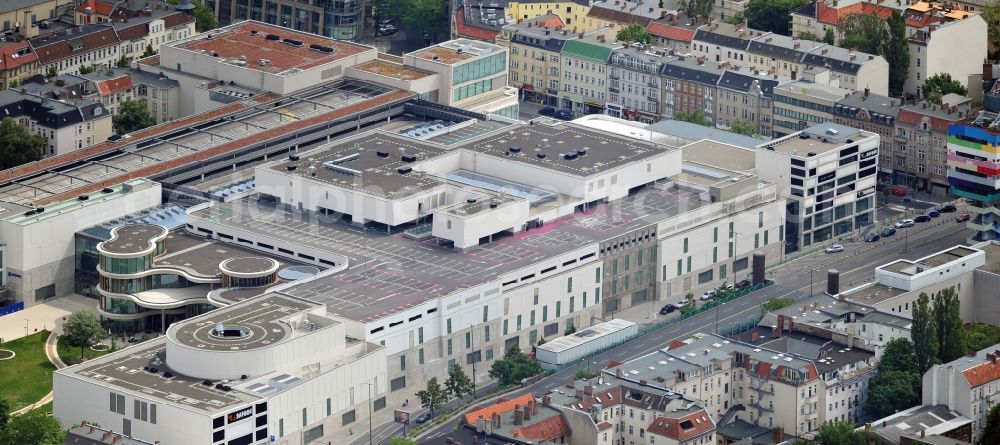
(867, 33)
(82, 329)
(991, 431)
(923, 331)
(691, 305)
(400, 440)
(432, 397)
(458, 383)
(991, 14)
(694, 8)
(841, 433)
(634, 33)
(897, 384)
(132, 116)
(744, 128)
(514, 366)
(771, 15)
(694, 117)
(427, 17)
(979, 336)
(940, 84)
(32, 428)
(17, 145)
(950, 331)
(204, 17)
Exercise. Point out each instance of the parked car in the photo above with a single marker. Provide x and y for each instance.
(948, 209)
(387, 29)
(904, 224)
(743, 284)
(933, 213)
(834, 248)
(547, 111)
(888, 231)
(962, 217)
(708, 295)
(682, 303)
(872, 238)
(423, 418)
(564, 114)
(668, 309)
(922, 218)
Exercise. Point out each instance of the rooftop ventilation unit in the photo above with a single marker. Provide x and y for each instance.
(404, 170)
(541, 155)
(272, 37)
(569, 156)
(514, 149)
(382, 154)
(409, 158)
(292, 42)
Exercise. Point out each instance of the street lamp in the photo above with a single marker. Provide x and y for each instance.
(370, 386)
(25, 327)
(811, 270)
(717, 317)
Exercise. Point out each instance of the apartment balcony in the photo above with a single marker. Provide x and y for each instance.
(758, 406)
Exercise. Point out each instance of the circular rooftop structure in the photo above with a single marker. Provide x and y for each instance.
(292, 273)
(249, 267)
(133, 240)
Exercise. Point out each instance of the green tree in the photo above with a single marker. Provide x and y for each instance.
(13, 83)
(771, 15)
(829, 38)
(979, 336)
(694, 117)
(774, 303)
(690, 305)
(434, 396)
(735, 19)
(427, 17)
(940, 84)
(744, 128)
(923, 331)
(132, 116)
(634, 33)
(149, 51)
(32, 429)
(204, 18)
(898, 356)
(400, 440)
(17, 145)
(991, 14)
(51, 71)
(514, 366)
(991, 432)
(123, 62)
(458, 384)
(867, 33)
(890, 392)
(808, 36)
(82, 329)
(839, 433)
(4, 413)
(87, 69)
(950, 332)
(695, 8)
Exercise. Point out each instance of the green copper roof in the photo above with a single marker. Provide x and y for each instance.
(587, 50)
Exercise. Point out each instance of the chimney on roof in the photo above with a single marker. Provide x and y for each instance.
(546, 400)
(588, 390)
(778, 434)
(780, 326)
(527, 412)
(972, 353)
(618, 372)
(824, 51)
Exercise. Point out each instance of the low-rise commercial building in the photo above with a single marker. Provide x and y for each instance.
(802, 104)
(877, 114)
(336, 20)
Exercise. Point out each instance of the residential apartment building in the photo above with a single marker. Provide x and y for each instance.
(572, 13)
(689, 85)
(974, 171)
(920, 147)
(535, 47)
(85, 46)
(791, 57)
(17, 62)
(57, 110)
(831, 175)
(747, 98)
(149, 28)
(967, 385)
(341, 20)
(585, 76)
(635, 84)
(112, 86)
(621, 13)
(22, 17)
(672, 34)
(932, 46)
(817, 16)
(874, 113)
(802, 104)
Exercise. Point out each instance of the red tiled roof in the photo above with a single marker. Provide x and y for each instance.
(608, 397)
(811, 370)
(134, 32)
(99, 8)
(545, 430)
(9, 58)
(674, 344)
(670, 32)
(502, 406)
(224, 148)
(982, 374)
(833, 16)
(883, 12)
(177, 18)
(603, 426)
(550, 20)
(763, 369)
(912, 117)
(472, 32)
(697, 424)
(49, 52)
(115, 85)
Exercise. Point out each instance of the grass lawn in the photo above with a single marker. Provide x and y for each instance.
(71, 355)
(28, 376)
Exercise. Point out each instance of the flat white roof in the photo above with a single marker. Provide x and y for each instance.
(592, 333)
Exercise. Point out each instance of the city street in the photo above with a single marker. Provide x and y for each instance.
(792, 279)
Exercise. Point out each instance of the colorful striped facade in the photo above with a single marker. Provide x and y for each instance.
(974, 171)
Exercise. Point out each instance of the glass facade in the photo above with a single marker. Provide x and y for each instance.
(250, 282)
(479, 68)
(509, 112)
(472, 89)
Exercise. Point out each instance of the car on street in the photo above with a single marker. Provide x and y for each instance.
(743, 284)
(872, 238)
(423, 418)
(708, 295)
(547, 111)
(682, 303)
(564, 114)
(962, 217)
(887, 232)
(387, 29)
(904, 224)
(933, 213)
(667, 309)
(922, 218)
(948, 209)
(834, 248)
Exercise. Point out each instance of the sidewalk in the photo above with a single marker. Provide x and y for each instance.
(47, 315)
